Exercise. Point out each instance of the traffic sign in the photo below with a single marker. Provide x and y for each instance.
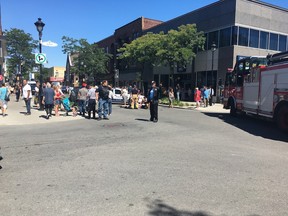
(40, 58)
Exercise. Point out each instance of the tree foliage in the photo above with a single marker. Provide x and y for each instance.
(180, 46)
(88, 58)
(20, 48)
(176, 47)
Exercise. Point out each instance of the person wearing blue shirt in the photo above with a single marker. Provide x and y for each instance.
(3, 102)
(206, 95)
(153, 97)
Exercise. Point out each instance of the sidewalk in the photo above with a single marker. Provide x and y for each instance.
(16, 110)
(216, 108)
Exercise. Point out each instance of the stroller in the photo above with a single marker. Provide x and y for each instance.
(66, 105)
(69, 107)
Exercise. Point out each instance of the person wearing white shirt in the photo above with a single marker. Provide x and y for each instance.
(110, 102)
(27, 95)
(91, 102)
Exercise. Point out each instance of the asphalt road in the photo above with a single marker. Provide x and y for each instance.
(188, 164)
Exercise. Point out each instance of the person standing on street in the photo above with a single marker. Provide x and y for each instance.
(110, 101)
(91, 102)
(134, 97)
(103, 97)
(48, 100)
(153, 97)
(27, 96)
(57, 99)
(82, 97)
(171, 97)
(3, 101)
(36, 96)
(17, 92)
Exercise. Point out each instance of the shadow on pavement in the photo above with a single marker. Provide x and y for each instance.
(139, 119)
(254, 126)
(159, 208)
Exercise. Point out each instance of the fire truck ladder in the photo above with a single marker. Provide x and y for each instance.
(278, 58)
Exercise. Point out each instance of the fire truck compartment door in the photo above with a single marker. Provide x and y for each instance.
(250, 96)
(267, 92)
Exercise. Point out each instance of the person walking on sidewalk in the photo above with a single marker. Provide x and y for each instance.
(211, 95)
(58, 94)
(27, 96)
(197, 97)
(103, 96)
(48, 100)
(171, 97)
(153, 97)
(91, 102)
(3, 101)
(17, 92)
(82, 97)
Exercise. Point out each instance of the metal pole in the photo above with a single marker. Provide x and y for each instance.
(41, 76)
(212, 65)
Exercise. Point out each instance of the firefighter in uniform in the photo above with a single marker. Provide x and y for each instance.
(134, 97)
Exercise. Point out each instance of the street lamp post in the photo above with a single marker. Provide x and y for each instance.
(213, 49)
(39, 26)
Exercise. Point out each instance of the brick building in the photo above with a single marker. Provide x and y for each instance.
(125, 34)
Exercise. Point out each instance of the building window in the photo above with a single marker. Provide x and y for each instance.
(213, 38)
(264, 40)
(234, 35)
(254, 38)
(273, 41)
(282, 43)
(243, 36)
(225, 37)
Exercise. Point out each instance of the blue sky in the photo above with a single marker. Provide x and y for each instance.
(90, 19)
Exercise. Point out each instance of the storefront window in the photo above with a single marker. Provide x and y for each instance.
(243, 36)
(254, 38)
(212, 38)
(282, 43)
(225, 37)
(234, 35)
(273, 41)
(264, 40)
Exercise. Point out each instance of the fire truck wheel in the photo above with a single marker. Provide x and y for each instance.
(282, 118)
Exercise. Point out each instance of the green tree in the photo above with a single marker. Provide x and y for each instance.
(142, 51)
(180, 46)
(88, 58)
(20, 47)
(176, 47)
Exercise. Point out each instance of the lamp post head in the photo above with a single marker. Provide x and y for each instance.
(213, 47)
(39, 26)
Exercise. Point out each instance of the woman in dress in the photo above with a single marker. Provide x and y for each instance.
(197, 97)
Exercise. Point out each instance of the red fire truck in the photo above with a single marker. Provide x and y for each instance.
(259, 86)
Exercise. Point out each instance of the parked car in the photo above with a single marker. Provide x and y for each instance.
(117, 95)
